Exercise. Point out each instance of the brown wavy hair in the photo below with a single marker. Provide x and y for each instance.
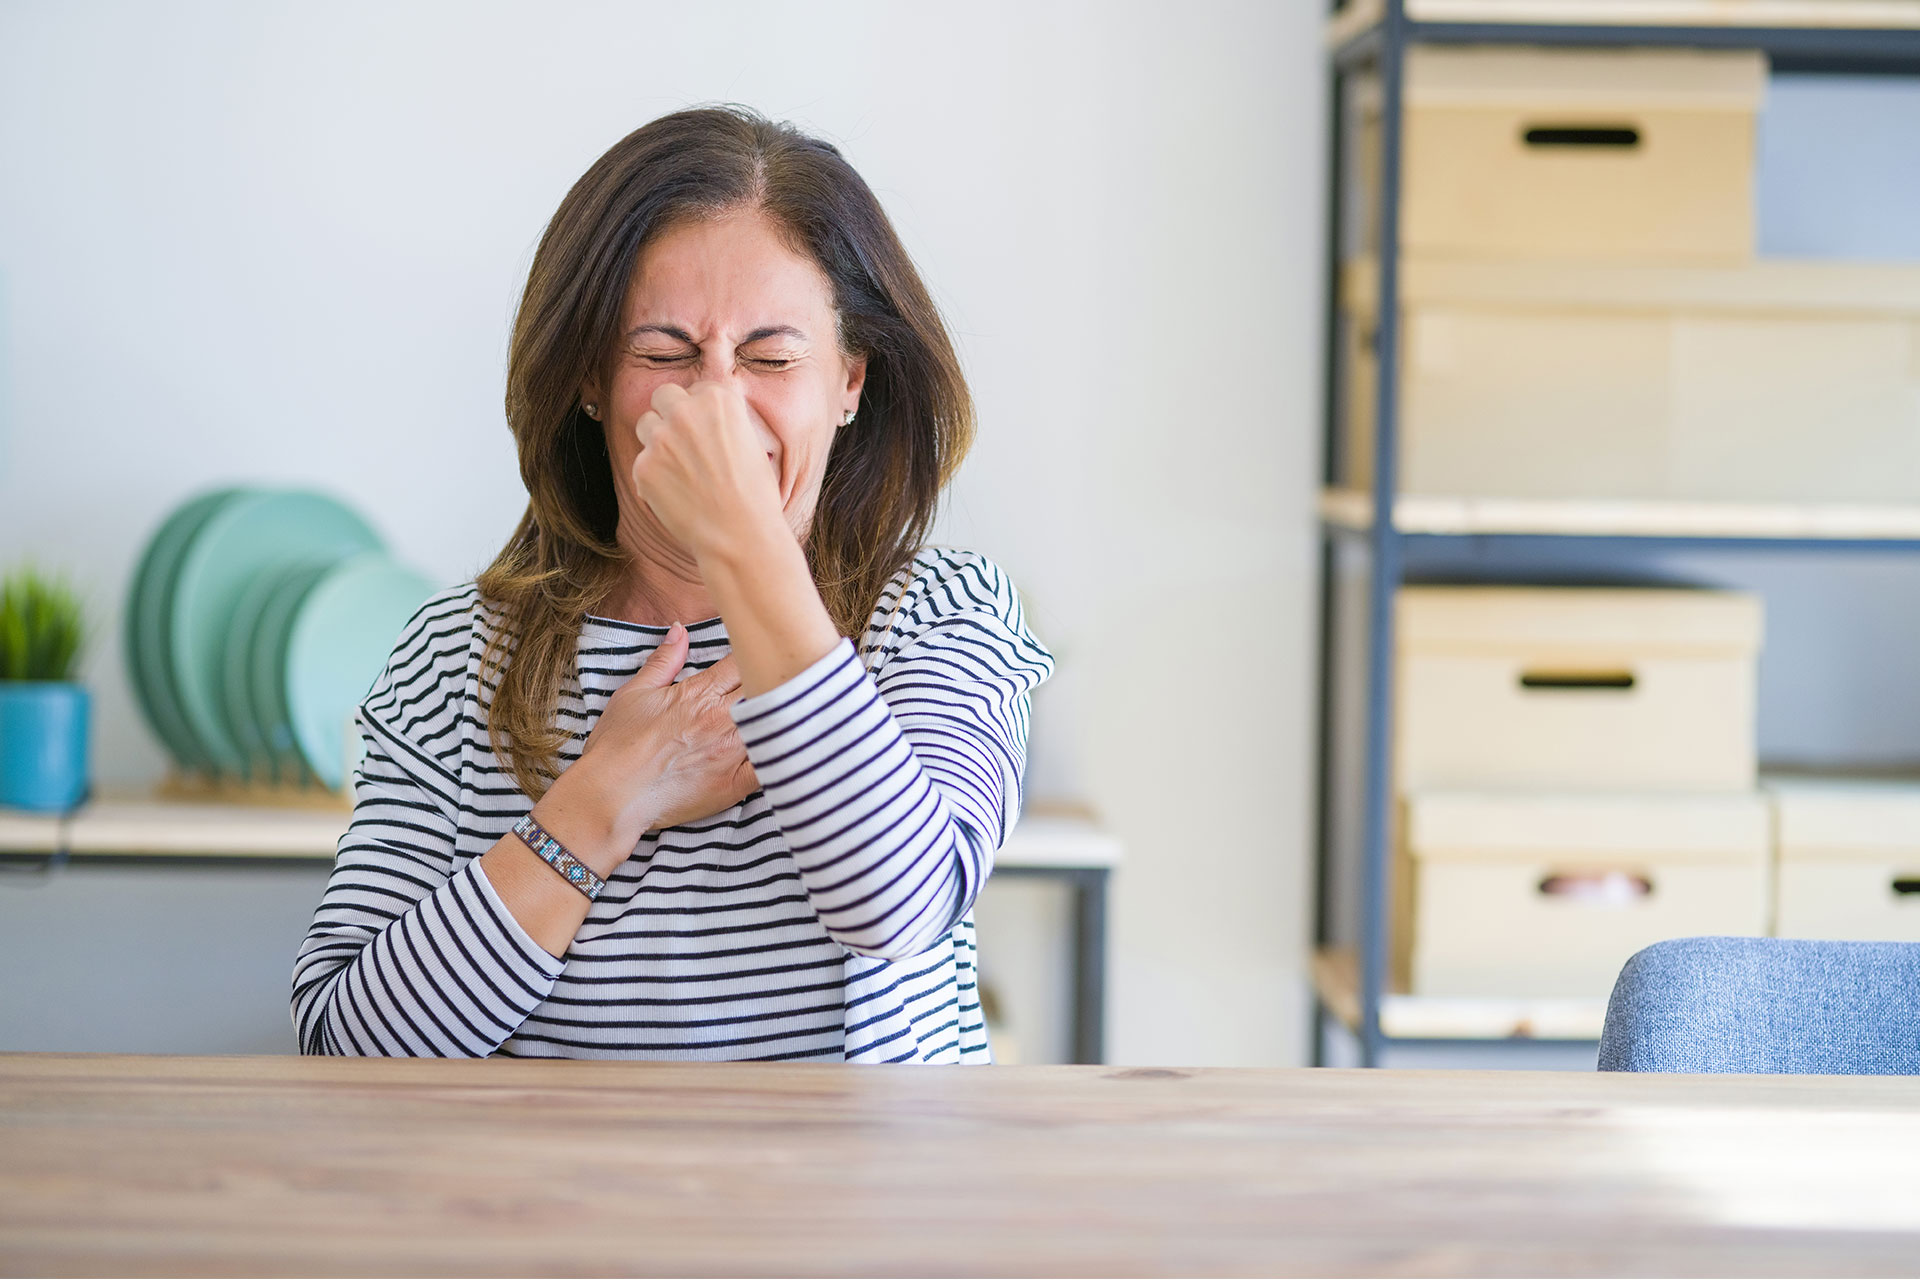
(883, 476)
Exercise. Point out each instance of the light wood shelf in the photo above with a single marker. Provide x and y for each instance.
(1580, 517)
(1832, 14)
(24, 832)
(1336, 976)
(1844, 15)
(1761, 287)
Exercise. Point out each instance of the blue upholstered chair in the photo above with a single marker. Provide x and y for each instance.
(1766, 1005)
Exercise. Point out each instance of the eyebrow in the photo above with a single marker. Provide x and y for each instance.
(681, 335)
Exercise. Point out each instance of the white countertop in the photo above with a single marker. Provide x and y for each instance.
(131, 826)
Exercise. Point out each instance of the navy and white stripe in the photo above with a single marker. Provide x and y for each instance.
(828, 916)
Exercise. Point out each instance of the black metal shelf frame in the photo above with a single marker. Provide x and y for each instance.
(1380, 50)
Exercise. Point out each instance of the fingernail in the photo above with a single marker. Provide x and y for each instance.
(675, 631)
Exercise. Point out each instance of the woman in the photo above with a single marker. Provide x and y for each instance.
(712, 761)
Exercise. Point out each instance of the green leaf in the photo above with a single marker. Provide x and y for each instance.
(42, 627)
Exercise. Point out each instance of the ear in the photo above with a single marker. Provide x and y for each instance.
(856, 379)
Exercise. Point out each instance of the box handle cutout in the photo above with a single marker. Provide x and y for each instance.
(1612, 137)
(1577, 681)
(1597, 888)
(1906, 886)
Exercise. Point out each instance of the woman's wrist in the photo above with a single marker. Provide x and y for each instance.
(597, 819)
(777, 625)
(743, 536)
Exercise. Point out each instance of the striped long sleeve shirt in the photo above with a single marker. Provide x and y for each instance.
(828, 916)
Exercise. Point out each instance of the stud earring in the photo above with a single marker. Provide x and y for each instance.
(592, 410)
(848, 420)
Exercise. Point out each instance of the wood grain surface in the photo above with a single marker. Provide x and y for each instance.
(222, 1166)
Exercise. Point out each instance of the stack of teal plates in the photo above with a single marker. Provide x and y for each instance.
(256, 622)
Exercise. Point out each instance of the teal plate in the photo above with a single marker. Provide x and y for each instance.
(343, 633)
(146, 638)
(254, 534)
(267, 671)
(246, 634)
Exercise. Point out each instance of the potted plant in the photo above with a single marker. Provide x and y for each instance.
(43, 712)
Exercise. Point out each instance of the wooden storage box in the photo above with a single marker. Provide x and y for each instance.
(1572, 153)
(1774, 382)
(1548, 895)
(1575, 688)
(1848, 860)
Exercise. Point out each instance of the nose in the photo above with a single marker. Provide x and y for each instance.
(727, 373)
(710, 364)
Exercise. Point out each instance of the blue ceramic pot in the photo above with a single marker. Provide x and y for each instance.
(43, 744)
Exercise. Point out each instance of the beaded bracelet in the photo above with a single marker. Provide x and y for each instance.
(576, 872)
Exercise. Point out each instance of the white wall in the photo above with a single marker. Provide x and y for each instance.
(282, 242)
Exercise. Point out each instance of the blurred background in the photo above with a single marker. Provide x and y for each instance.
(1635, 659)
(1623, 491)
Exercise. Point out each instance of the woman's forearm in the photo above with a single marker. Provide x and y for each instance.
(893, 791)
(576, 814)
(887, 865)
(547, 907)
(874, 841)
(777, 626)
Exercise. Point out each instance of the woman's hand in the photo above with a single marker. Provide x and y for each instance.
(706, 470)
(661, 754)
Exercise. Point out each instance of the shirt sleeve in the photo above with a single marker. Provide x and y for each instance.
(894, 790)
(410, 953)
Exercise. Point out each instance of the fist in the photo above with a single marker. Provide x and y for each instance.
(707, 466)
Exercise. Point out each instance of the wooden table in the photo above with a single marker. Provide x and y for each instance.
(134, 1165)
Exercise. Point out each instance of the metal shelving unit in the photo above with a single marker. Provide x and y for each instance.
(1371, 37)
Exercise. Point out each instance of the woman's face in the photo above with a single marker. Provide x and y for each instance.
(726, 300)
